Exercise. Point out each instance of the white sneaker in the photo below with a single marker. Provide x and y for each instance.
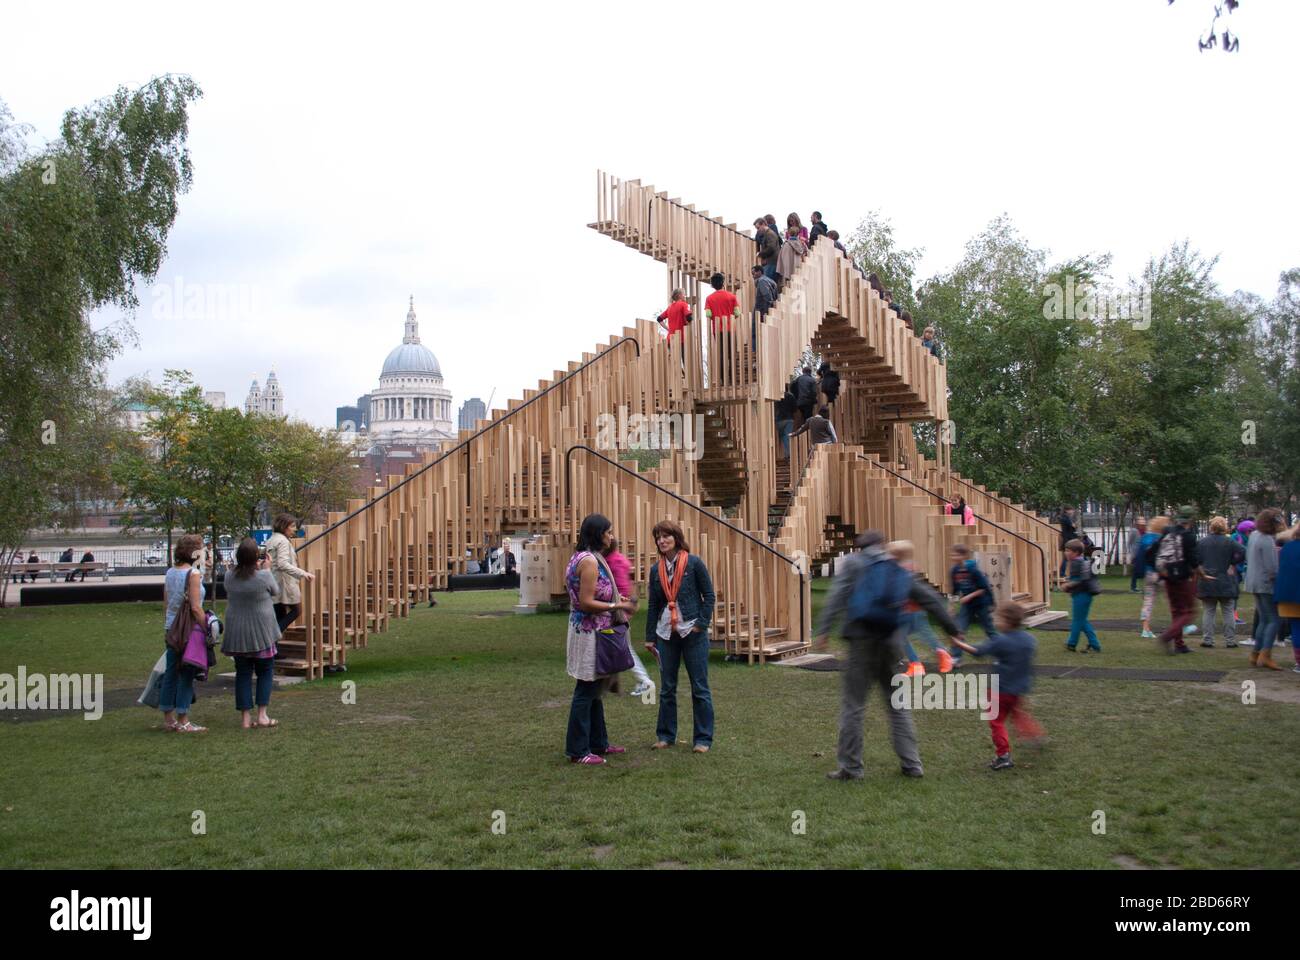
(642, 688)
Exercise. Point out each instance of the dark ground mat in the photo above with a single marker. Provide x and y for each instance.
(1129, 673)
(829, 665)
(1059, 672)
(1063, 625)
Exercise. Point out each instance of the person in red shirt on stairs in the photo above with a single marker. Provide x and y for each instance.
(721, 304)
(678, 313)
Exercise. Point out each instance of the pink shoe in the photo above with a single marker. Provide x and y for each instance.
(590, 760)
(613, 749)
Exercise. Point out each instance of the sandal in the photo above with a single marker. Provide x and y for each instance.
(189, 726)
(270, 722)
(661, 745)
(169, 726)
(699, 748)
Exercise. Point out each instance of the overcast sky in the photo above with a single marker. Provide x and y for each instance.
(346, 157)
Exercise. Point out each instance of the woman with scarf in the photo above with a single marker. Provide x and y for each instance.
(677, 629)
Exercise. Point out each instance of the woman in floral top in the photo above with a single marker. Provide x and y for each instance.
(593, 599)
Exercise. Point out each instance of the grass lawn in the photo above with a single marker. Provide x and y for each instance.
(460, 713)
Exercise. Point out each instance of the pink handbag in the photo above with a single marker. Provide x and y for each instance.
(196, 651)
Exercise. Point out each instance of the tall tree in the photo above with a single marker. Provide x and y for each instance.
(1267, 382)
(81, 222)
(149, 473)
(873, 247)
(308, 471)
(1014, 366)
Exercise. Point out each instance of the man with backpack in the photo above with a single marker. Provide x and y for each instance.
(1176, 562)
(869, 592)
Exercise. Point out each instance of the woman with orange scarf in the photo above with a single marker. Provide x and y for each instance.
(677, 630)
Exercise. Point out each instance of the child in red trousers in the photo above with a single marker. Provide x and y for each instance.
(1014, 650)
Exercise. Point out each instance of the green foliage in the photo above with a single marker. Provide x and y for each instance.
(81, 222)
(1267, 383)
(198, 468)
(1060, 397)
(1012, 361)
(307, 471)
(872, 247)
(1162, 407)
(149, 474)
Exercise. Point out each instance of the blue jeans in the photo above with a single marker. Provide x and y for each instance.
(1266, 630)
(1080, 604)
(918, 622)
(244, 667)
(784, 428)
(587, 732)
(982, 614)
(177, 686)
(694, 651)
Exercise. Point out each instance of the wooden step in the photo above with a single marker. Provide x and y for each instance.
(1045, 616)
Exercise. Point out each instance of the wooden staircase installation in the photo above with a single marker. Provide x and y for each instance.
(538, 467)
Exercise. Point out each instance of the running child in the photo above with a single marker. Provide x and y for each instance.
(1014, 650)
(914, 619)
(975, 596)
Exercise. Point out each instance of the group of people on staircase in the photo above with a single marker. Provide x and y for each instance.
(806, 407)
(262, 599)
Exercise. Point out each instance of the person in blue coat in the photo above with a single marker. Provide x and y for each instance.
(1286, 588)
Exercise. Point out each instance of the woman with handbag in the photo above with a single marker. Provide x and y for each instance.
(251, 631)
(595, 649)
(183, 594)
(677, 630)
(286, 570)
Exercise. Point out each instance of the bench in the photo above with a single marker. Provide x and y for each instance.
(54, 569)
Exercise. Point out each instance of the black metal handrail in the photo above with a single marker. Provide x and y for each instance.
(1009, 506)
(992, 523)
(475, 436)
(568, 500)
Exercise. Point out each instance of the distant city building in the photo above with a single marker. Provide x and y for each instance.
(471, 411)
(269, 401)
(358, 416)
(136, 415)
(410, 408)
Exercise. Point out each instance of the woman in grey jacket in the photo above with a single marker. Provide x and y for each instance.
(1261, 575)
(1218, 589)
(251, 631)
